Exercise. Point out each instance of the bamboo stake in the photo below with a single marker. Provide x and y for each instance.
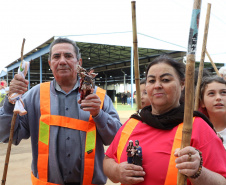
(213, 64)
(135, 53)
(201, 65)
(11, 133)
(189, 83)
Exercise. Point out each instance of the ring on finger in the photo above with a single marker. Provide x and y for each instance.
(189, 156)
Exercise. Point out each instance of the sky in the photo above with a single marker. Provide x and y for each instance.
(159, 23)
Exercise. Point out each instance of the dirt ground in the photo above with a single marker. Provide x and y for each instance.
(19, 168)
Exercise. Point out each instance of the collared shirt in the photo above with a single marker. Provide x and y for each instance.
(107, 124)
(69, 141)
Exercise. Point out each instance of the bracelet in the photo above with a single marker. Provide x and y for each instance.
(198, 173)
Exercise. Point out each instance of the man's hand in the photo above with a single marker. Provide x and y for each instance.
(92, 104)
(18, 85)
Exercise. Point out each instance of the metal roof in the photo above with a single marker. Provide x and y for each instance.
(109, 61)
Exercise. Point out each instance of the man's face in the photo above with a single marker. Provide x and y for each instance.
(63, 62)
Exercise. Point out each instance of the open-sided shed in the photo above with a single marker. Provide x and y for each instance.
(111, 62)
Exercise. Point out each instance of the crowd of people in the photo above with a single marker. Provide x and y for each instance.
(68, 133)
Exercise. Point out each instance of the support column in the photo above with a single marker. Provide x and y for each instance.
(29, 84)
(131, 76)
(40, 61)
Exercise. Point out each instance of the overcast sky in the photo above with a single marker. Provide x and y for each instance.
(167, 20)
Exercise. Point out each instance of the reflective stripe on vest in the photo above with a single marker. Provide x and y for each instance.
(2, 97)
(47, 120)
(126, 132)
(171, 177)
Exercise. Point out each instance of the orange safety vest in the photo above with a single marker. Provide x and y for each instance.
(171, 177)
(47, 120)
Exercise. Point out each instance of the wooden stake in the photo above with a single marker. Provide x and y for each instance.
(201, 65)
(213, 64)
(189, 83)
(11, 134)
(135, 53)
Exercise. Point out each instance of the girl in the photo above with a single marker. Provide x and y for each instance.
(213, 103)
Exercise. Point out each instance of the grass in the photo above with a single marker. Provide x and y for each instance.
(122, 107)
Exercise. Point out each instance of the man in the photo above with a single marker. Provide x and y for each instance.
(128, 94)
(67, 141)
(138, 154)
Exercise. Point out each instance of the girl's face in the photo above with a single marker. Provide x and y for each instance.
(144, 96)
(214, 98)
(163, 87)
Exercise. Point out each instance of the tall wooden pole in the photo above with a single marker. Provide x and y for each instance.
(11, 133)
(213, 64)
(135, 53)
(189, 83)
(201, 65)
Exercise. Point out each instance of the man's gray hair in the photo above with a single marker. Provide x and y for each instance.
(65, 40)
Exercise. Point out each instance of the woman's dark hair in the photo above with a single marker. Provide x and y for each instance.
(178, 66)
(207, 80)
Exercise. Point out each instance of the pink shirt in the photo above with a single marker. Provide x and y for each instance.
(157, 144)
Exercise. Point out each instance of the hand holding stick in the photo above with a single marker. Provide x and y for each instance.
(189, 83)
(11, 133)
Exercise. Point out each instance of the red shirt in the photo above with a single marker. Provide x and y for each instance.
(157, 144)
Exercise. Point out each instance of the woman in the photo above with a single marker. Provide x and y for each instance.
(213, 103)
(129, 151)
(158, 128)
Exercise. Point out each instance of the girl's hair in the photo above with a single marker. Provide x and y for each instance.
(207, 80)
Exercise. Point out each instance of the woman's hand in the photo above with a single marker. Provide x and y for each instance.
(130, 173)
(188, 160)
(124, 173)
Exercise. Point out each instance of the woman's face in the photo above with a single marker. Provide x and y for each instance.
(145, 101)
(214, 99)
(163, 87)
